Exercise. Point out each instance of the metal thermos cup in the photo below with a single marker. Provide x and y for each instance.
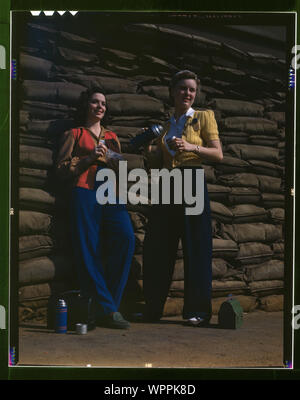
(61, 316)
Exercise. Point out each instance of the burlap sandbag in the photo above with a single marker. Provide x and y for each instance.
(270, 200)
(270, 184)
(159, 92)
(239, 179)
(210, 90)
(178, 273)
(263, 140)
(219, 288)
(227, 74)
(45, 111)
(36, 157)
(224, 288)
(232, 165)
(234, 53)
(278, 250)
(244, 195)
(134, 105)
(120, 56)
(270, 270)
(52, 92)
(278, 116)
(36, 200)
(249, 124)
(34, 140)
(125, 131)
(276, 215)
(218, 193)
(253, 253)
(272, 303)
(50, 129)
(75, 56)
(251, 152)
(108, 84)
(219, 268)
(139, 242)
(265, 288)
(138, 220)
(124, 70)
(225, 249)
(237, 107)
(220, 212)
(139, 121)
(24, 118)
(95, 70)
(251, 232)
(32, 177)
(265, 168)
(37, 313)
(243, 213)
(76, 40)
(234, 137)
(35, 67)
(29, 295)
(209, 172)
(32, 246)
(173, 306)
(34, 223)
(44, 269)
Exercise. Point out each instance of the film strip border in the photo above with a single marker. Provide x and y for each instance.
(50, 13)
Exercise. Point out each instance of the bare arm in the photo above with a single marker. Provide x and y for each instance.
(213, 151)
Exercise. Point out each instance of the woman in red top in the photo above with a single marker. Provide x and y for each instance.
(102, 234)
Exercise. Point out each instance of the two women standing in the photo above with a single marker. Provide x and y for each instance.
(102, 235)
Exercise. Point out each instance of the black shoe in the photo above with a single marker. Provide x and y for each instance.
(116, 321)
(196, 322)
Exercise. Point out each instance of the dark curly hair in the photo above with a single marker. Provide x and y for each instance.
(184, 74)
(82, 106)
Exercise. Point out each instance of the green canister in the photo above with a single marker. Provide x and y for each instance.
(230, 315)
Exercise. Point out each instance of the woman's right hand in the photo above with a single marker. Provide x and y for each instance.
(99, 151)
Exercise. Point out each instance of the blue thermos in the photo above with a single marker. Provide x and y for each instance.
(61, 316)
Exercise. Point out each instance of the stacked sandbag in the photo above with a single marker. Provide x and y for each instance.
(246, 188)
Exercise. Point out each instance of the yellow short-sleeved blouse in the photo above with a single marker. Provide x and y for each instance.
(199, 129)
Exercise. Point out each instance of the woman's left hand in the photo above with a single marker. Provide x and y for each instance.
(179, 144)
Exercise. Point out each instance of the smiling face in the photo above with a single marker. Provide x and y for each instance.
(96, 107)
(184, 94)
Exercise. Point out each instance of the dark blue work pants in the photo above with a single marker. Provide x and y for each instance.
(167, 224)
(103, 242)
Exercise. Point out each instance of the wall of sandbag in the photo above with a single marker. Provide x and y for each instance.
(247, 92)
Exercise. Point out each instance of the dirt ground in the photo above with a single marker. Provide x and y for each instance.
(168, 344)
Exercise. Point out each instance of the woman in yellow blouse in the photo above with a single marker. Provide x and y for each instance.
(189, 138)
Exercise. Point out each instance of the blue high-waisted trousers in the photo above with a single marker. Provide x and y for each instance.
(167, 224)
(103, 243)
